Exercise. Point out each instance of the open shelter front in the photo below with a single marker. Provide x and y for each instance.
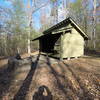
(50, 44)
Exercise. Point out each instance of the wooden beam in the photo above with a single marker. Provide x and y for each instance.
(61, 45)
(61, 30)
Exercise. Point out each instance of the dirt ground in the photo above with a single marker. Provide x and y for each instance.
(46, 78)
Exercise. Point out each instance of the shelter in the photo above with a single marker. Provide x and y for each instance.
(63, 40)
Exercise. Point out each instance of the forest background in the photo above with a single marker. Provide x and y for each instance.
(23, 20)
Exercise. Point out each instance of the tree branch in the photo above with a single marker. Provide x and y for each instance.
(39, 7)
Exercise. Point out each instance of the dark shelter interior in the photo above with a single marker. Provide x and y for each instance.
(48, 42)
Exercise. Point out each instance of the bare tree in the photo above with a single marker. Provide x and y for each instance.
(29, 13)
(93, 36)
(33, 6)
(54, 10)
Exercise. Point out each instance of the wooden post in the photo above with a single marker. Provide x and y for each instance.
(61, 46)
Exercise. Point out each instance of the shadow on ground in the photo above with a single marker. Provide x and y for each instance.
(66, 86)
(6, 77)
(22, 92)
(58, 82)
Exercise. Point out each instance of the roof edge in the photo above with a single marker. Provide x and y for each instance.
(69, 19)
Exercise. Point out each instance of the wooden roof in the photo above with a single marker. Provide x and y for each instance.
(62, 24)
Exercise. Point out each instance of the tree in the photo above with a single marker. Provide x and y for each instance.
(13, 28)
(29, 13)
(4, 16)
(18, 22)
(32, 7)
(94, 24)
(54, 10)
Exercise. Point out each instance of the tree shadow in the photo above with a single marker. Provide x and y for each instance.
(86, 94)
(90, 72)
(56, 75)
(67, 80)
(66, 83)
(6, 77)
(22, 92)
(82, 92)
(39, 95)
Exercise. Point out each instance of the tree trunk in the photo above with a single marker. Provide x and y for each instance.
(94, 24)
(29, 13)
(29, 48)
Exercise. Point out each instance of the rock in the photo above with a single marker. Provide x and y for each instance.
(14, 63)
(18, 57)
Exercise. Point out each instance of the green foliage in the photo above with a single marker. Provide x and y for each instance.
(14, 32)
(17, 30)
(18, 24)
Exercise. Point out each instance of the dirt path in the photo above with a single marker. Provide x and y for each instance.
(77, 79)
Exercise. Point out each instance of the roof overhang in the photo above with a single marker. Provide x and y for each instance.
(57, 29)
(38, 37)
(80, 30)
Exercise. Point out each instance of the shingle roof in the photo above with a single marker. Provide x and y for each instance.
(61, 24)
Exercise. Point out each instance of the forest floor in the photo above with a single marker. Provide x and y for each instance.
(75, 79)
